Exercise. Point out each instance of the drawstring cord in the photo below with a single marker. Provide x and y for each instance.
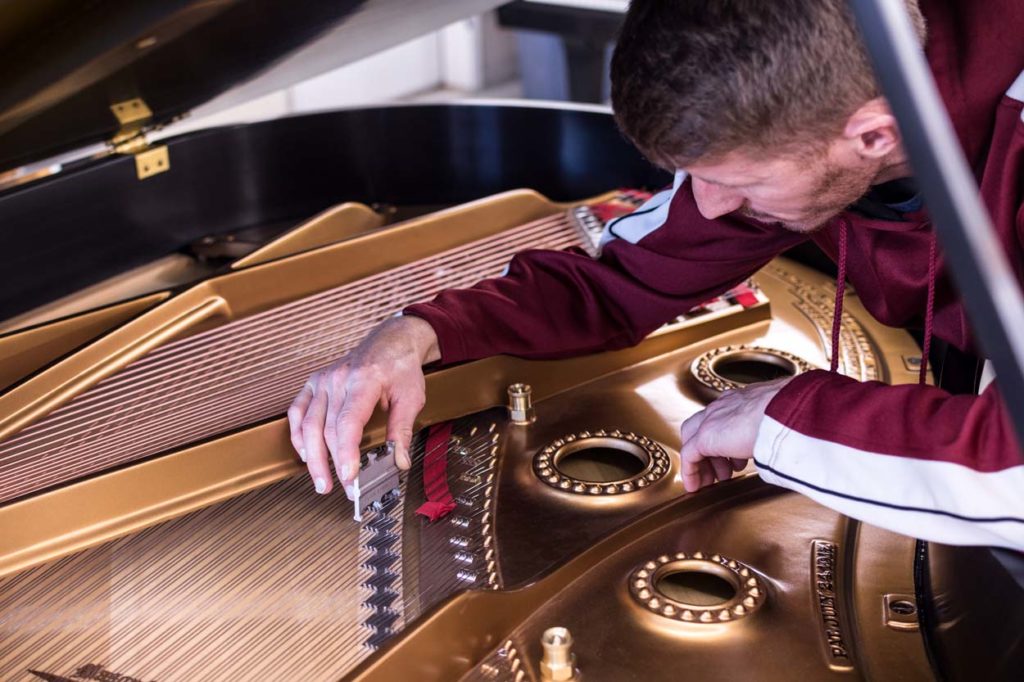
(837, 314)
(929, 309)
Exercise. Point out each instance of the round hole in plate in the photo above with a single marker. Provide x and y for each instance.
(751, 367)
(695, 586)
(601, 460)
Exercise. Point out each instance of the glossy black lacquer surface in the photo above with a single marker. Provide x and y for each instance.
(69, 60)
(86, 224)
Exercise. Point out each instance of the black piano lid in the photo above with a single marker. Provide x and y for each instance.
(85, 224)
(64, 63)
(96, 219)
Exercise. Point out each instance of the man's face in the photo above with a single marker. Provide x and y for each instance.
(800, 193)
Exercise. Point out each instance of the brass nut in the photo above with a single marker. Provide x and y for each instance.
(558, 663)
(520, 404)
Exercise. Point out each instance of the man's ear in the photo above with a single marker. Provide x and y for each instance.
(871, 131)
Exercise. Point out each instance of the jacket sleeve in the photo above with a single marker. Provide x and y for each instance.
(655, 264)
(913, 459)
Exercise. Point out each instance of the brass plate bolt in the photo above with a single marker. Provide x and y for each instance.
(520, 405)
(900, 611)
(558, 664)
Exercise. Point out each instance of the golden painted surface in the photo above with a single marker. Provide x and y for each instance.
(83, 514)
(333, 225)
(261, 287)
(147, 280)
(217, 561)
(26, 350)
(267, 583)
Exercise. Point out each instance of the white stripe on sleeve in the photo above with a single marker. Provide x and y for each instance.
(1016, 90)
(930, 500)
(644, 220)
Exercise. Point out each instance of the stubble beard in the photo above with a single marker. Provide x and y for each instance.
(838, 188)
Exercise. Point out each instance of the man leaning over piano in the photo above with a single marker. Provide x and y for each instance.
(771, 115)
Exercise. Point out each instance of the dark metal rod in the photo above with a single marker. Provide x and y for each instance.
(981, 269)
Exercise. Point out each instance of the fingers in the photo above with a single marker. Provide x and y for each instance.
(296, 411)
(698, 467)
(401, 417)
(689, 456)
(313, 444)
(690, 426)
(722, 467)
(707, 474)
(337, 393)
(691, 466)
(360, 400)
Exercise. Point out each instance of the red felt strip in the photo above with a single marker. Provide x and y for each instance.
(435, 474)
(745, 296)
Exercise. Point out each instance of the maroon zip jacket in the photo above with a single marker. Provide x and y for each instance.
(914, 459)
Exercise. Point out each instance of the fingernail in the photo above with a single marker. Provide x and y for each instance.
(320, 485)
(402, 456)
(302, 454)
(346, 472)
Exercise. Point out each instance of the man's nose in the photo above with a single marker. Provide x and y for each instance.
(714, 201)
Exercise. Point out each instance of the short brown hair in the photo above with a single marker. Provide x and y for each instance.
(695, 79)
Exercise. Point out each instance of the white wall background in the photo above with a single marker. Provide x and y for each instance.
(461, 59)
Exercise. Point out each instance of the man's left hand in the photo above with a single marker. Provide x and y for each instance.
(720, 439)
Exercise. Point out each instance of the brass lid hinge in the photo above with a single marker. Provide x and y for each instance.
(135, 118)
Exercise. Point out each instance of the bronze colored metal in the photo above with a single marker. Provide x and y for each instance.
(706, 369)
(480, 587)
(821, 608)
(333, 225)
(240, 373)
(151, 279)
(73, 517)
(901, 610)
(336, 224)
(656, 463)
(520, 404)
(858, 347)
(26, 350)
(749, 591)
(864, 560)
(264, 357)
(558, 663)
(733, 517)
(251, 290)
(268, 585)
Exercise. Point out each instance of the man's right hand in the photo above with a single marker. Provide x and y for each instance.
(330, 412)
